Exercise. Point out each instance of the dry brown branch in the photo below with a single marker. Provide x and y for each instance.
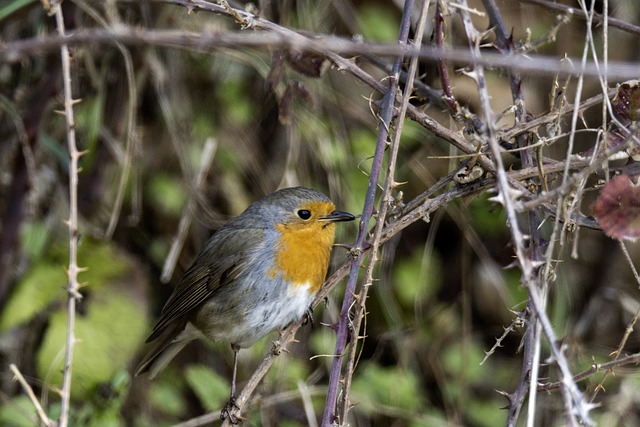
(597, 18)
(73, 287)
(288, 39)
(632, 359)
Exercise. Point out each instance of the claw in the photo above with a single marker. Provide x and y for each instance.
(229, 411)
(308, 318)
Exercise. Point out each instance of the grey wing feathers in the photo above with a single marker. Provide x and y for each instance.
(214, 268)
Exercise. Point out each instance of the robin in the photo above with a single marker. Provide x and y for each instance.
(258, 273)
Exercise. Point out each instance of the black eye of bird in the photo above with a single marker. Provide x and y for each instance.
(304, 214)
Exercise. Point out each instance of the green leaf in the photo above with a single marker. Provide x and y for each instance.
(44, 283)
(110, 323)
(168, 398)
(168, 193)
(417, 277)
(287, 372)
(108, 337)
(488, 217)
(212, 390)
(233, 95)
(393, 387)
(40, 286)
(34, 237)
(8, 8)
(377, 22)
(18, 412)
(53, 147)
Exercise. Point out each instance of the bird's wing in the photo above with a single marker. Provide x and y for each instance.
(218, 264)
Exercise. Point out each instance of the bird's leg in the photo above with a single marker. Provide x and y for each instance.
(231, 406)
(233, 378)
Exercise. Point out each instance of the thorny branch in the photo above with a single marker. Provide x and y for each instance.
(275, 36)
(386, 200)
(73, 287)
(331, 412)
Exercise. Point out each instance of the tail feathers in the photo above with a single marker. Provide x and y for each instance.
(164, 351)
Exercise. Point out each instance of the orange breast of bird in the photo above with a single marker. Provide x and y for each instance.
(304, 248)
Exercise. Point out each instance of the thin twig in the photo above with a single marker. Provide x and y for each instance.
(597, 18)
(126, 160)
(518, 322)
(48, 422)
(305, 395)
(187, 215)
(632, 359)
(73, 287)
(447, 90)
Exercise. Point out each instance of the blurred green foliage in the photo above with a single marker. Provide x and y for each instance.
(390, 387)
(212, 390)
(18, 412)
(377, 23)
(167, 194)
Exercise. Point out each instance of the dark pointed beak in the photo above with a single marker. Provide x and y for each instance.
(338, 216)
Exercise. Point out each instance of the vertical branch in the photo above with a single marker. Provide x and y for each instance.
(389, 186)
(448, 97)
(531, 339)
(73, 270)
(386, 114)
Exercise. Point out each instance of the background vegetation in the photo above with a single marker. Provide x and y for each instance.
(188, 111)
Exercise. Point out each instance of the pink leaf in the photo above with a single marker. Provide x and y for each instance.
(618, 208)
(626, 103)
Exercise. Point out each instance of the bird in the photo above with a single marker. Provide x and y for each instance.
(258, 273)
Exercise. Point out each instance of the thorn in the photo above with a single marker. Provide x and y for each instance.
(75, 294)
(473, 75)
(497, 199)
(343, 245)
(536, 264)
(508, 396)
(513, 264)
(277, 348)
